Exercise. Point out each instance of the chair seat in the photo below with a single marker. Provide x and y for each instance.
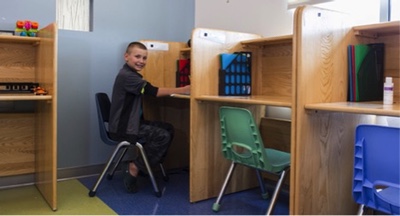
(391, 195)
(278, 160)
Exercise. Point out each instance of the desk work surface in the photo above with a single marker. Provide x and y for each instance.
(373, 107)
(183, 96)
(27, 96)
(253, 99)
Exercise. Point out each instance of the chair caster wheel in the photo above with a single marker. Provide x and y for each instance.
(92, 193)
(158, 194)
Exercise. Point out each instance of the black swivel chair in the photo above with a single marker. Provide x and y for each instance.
(103, 105)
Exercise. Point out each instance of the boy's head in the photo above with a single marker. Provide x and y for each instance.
(136, 55)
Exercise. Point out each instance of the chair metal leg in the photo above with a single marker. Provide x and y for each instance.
(360, 210)
(111, 173)
(276, 192)
(123, 144)
(217, 204)
(146, 162)
(264, 192)
(165, 176)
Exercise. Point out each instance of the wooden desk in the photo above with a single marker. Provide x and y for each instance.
(28, 140)
(306, 72)
(323, 151)
(271, 86)
(161, 71)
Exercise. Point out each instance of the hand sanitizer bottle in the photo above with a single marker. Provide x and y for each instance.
(388, 91)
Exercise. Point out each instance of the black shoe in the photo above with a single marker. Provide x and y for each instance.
(130, 181)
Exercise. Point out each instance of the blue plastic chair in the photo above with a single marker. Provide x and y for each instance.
(243, 145)
(376, 182)
(103, 106)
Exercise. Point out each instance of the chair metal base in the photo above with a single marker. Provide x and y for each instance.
(216, 206)
(124, 147)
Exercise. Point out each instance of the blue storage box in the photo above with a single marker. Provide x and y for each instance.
(235, 74)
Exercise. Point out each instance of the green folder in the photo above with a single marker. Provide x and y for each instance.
(369, 71)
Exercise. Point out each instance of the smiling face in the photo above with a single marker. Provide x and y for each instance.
(136, 57)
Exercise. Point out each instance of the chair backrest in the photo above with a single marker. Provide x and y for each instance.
(103, 105)
(241, 140)
(376, 181)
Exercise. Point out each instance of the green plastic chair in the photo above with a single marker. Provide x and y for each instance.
(242, 144)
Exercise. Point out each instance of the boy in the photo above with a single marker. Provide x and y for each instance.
(126, 122)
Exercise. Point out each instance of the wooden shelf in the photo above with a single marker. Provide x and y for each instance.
(377, 30)
(373, 108)
(253, 99)
(20, 97)
(186, 49)
(19, 39)
(268, 41)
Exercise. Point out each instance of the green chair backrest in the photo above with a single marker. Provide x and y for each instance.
(241, 139)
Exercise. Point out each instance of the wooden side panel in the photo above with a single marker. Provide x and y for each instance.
(46, 116)
(17, 62)
(322, 153)
(277, 70)
(161, 66)
(276, 133)
(17, 150)
(177, 112)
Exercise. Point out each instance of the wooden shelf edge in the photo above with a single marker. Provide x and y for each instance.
(182, 96)
(23, 97)
(268, 41)
(185, 49)
(19, 39)
(368, 108)
(259, 100)
(378, 29)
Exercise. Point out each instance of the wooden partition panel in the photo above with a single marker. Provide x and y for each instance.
(277, 70)
(323, 149)
(17, 150)
(161, 67)
(46, 116)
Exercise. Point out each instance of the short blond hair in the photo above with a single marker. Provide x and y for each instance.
(135, 44)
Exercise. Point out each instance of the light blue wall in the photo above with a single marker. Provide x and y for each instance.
(89, 61)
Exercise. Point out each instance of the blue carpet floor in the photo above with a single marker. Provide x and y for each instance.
(175, 198)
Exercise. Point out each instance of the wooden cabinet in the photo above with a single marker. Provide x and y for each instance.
(28, 122)
(324, 130)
